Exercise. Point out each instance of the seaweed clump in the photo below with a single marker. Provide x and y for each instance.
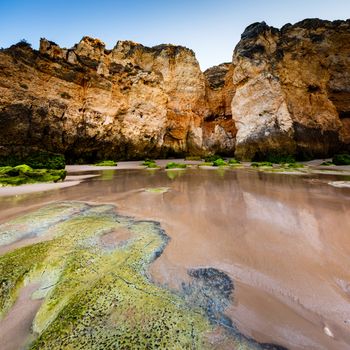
(173, 165)
(106, 163)
(24, 174)
(219, 162)
(150, 163)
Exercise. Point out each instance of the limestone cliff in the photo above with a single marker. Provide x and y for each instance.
(285, 92)
(91, 103)
(292, 89)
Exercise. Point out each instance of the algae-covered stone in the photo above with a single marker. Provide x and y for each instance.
(106, 163)
(98, 297)
(36, 160)
(102, 298)
(22, 174)
(173, 165)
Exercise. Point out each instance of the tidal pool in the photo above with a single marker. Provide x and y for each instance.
(241, 259)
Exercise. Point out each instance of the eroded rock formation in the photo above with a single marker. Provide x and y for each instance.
(286, 91)
(89, 102)
(292, 89)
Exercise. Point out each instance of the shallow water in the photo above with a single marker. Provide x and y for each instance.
(283, 239)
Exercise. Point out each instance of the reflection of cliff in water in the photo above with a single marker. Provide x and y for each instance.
(282, 240)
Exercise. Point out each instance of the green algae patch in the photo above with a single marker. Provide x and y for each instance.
(106, 163)
(95, 297)
(15, 267)
(261, 165)
(173, 165)
(24, 174)
(234, 161)
(37, 224)
(157, 189)
(150, 164)
(219, 162)
(98, 296)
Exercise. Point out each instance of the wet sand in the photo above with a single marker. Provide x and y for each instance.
(283, 239)
(16, 325)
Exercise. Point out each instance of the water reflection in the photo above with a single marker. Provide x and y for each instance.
(283, 239)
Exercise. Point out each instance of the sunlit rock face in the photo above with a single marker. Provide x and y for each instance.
(285, 92)
(292, 89)
(88, 102)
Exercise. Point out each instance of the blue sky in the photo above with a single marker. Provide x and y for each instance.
(211, 28)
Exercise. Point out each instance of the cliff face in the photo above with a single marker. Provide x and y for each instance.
(89, 103)
(219, 129)
(292, 89)
(285, 92)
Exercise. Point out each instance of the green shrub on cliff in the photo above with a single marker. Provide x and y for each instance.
(22, 174)
(341, 159)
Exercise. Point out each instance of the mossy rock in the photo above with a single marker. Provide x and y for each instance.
(280, 158)
(219, 162)
(46, 160)
(151, 164)
(106, 163)
(234, 161)
(98, 295)
(173, 165)
(261, 164)
(23, 174)
(341, 159)
(293, 165)
(37, 160)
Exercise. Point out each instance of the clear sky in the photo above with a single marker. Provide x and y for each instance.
(211, 28)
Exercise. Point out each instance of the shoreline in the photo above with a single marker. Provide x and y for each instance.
(74, 177)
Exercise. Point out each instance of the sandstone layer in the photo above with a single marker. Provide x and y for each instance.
(285, 92)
